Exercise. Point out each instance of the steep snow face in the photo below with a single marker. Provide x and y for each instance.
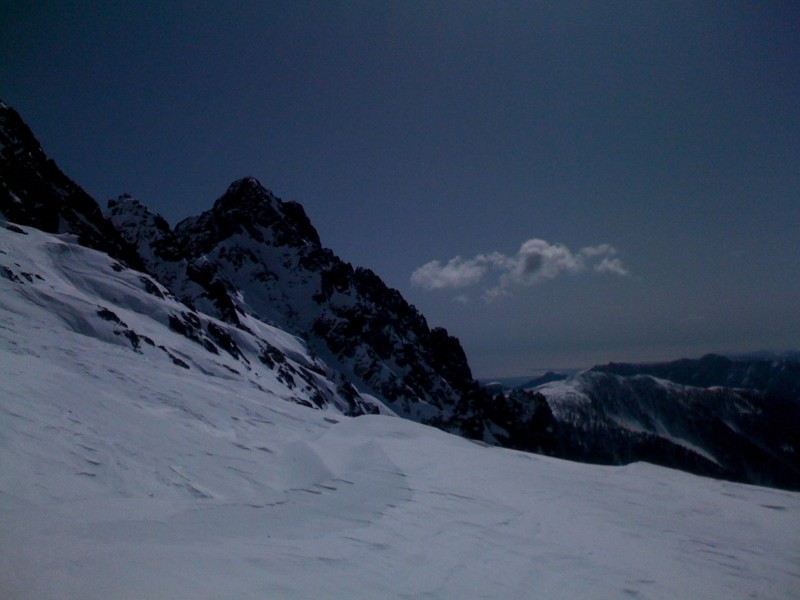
(253, 254)
(126, 475)
(54, 280)
(745, 435)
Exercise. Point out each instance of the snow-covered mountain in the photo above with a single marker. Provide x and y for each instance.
(617, 414)
(207, 412)
(152, 451)
(240, 279)
(255, 256)
(778, 375)
(56, 280)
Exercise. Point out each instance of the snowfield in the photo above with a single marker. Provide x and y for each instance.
(124, 475)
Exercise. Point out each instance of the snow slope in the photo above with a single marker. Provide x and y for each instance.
(125, 475)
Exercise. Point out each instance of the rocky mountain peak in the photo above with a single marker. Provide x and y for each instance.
(246, 194)
(246, 198)
(255, 261)
(248, 208)
(127, 211)
(145, 230)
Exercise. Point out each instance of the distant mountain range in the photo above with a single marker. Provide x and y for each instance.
(736, 419)
(253, 292)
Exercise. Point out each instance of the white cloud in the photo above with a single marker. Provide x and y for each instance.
(536, 260)
(611, 265)
(457, 273)
(601, 250)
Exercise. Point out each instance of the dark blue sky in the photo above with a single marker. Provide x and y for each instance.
(595, 181)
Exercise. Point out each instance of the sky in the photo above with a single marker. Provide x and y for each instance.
(559, 184)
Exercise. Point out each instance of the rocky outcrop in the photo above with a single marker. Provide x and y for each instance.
(35, 192)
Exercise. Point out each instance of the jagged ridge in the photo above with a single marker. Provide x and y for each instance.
(35, 192)
(254, 254)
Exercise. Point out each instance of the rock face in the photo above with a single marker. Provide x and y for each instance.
(253, 255)
(35, 192)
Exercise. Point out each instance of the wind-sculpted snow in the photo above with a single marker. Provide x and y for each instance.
(122, 477)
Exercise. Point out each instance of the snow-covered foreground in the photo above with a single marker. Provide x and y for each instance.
(123, 475)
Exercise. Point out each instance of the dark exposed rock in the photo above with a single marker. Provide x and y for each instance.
(109, 315)
(150, 287)
(36, 193)
(7, 273)
(174, 358)
(253, 253)
(15, 229)
(224, 340)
